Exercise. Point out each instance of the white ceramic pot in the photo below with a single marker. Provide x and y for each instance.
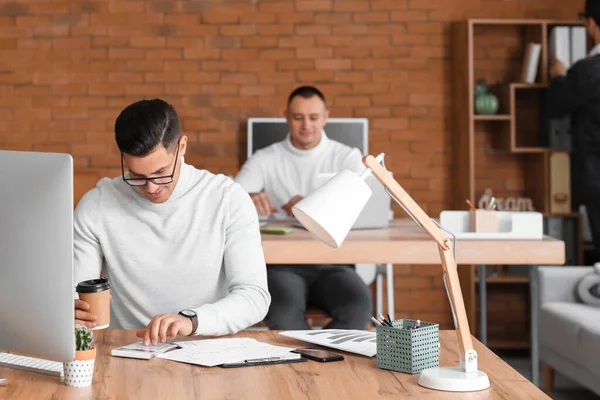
(80, 372)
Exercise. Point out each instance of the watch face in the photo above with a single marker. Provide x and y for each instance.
(188, 313)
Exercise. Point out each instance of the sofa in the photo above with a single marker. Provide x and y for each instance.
(569, 330)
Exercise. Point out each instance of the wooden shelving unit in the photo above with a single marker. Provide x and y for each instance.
(493, 49)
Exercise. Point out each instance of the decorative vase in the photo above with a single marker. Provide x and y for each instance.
(80, 372)
(486, 103)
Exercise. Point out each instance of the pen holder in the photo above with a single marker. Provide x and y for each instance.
(483, 221)
(406, 349)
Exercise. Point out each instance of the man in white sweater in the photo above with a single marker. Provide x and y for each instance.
(279, 176)
(181, 247)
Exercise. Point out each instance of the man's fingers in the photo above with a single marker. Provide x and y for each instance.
(85, 316)
(82, 305)
(154, 328)
(165, 324)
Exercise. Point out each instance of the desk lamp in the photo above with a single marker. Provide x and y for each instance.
(329, 213)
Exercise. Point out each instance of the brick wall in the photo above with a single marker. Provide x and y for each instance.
(68, 67)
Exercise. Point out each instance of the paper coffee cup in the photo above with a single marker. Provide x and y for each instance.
(96, 292)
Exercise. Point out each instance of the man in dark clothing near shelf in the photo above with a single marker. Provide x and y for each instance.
(576, 93)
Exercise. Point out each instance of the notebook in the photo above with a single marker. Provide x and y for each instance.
(138, 350)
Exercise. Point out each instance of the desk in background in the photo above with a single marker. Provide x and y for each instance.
(406, 243)
(356, 377)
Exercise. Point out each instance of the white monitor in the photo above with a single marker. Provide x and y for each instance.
(263, 132)
(36, 255)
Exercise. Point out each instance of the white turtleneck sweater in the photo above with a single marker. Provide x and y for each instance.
(282, 171)
(199, 250)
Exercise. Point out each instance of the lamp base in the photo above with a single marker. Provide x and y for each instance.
(453, 379)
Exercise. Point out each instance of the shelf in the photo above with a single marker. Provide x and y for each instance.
(508, 279)
(529, 150)
(497, 117)
(508, 343)
(567, 215)
(520, 85)
(588, 247)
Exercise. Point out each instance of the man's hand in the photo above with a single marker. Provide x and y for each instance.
(263, 204)
(82, 317)
(164, 328)
(557, 68)
(288, 207)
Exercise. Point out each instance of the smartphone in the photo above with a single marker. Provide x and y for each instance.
(319, 355)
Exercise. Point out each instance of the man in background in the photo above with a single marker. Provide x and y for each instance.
(576, 93)
(279, 176)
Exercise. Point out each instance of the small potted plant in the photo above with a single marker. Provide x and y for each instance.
(79, 372)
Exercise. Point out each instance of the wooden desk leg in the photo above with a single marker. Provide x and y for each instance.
(482, 283)
(378, 290)
(548, 378)
(389, 277)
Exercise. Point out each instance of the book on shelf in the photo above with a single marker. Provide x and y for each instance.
(567, 44)
(530, 62)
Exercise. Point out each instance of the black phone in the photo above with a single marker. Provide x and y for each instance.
(319, 355)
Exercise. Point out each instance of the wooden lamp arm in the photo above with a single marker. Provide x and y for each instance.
(467, 353)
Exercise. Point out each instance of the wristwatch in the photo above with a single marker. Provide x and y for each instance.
(191, 314)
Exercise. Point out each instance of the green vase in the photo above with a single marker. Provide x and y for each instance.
(485, 101)
(486, 104)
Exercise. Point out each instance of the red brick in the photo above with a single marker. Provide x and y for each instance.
(260, 41)
(351, 5)
(352, 101)
(162, 77)
(409, 15)
(219, 66)
(425, 27)
(313, 30)
(371, 17)
(203, 53)
(274, 30)
(239, 54)
(350, 30)
(201, 77)
(352, 77)
(257, 90)
(147, 41)
(333, 64)
(277, 54)
(314, 52)
(238, 30)
(295, 65)
(244, 78)
(315, 76)
(126, 54)
(337, 18)
(351, 52)
(163, 54)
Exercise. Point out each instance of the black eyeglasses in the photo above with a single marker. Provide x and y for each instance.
(159, 180)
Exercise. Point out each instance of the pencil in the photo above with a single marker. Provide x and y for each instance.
(471, 204)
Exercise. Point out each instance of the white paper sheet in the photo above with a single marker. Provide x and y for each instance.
(212, 352)
(353, 341)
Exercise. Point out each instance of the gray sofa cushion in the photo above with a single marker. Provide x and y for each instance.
(573, 331)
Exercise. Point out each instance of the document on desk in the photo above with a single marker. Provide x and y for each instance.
(353, 341)
(213, 352)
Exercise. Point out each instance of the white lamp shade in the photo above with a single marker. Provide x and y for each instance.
(331, 210)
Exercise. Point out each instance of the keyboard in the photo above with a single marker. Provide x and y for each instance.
(31, 364)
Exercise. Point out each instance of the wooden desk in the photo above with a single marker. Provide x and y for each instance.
(356, 377)
(405, 243)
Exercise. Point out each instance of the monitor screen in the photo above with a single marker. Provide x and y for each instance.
(263, 132)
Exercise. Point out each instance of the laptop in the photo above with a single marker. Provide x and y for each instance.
(375, 214)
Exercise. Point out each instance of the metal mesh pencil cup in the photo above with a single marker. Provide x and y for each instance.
(408, 350)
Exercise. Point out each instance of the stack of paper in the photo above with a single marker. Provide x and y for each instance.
(353, 341)
(213, 352)
(568, 44)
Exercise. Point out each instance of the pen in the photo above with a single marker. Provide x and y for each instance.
(470, 204)
(384, 321)
(375, 321)
(390, 320)
(258, 360)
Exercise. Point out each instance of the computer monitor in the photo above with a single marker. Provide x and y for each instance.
(263, 132)
(36, 255)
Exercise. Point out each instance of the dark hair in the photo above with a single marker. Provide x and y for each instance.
(145, 124)
(306, 92)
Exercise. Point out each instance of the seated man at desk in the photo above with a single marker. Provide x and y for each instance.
(277, 177)
(169, 237)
